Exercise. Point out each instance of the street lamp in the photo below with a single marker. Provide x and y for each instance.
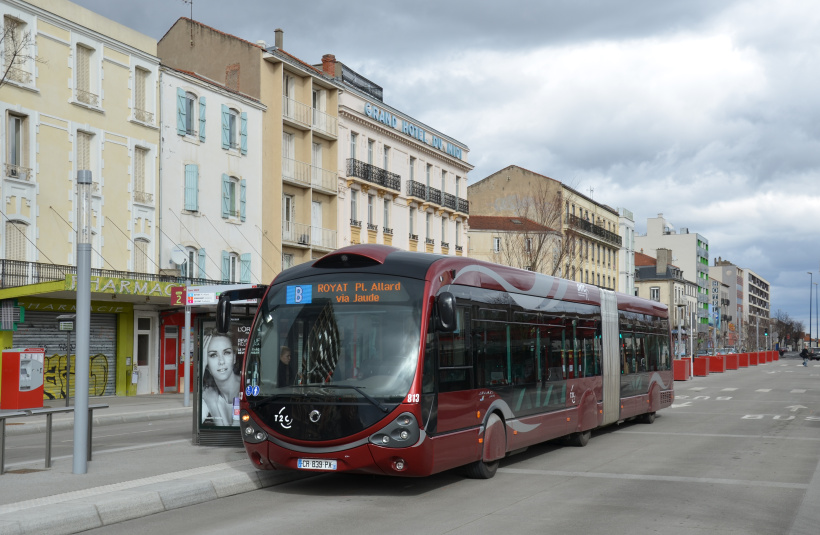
(811, 283)
(83, 322)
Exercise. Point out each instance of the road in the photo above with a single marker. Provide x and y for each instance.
(737, 453)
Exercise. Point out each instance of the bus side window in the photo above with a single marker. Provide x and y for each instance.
(455, 364)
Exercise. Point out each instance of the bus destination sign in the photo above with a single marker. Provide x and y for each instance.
(344, 292)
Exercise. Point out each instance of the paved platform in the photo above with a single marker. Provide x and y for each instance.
(124, 484)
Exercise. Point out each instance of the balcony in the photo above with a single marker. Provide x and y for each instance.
(143, 197)
(388, 231)
(18, 172)
(19, 75)
(88, 98)
(304, 236)
(450, 201)
(296, 172)
(355, 223)
(421, 192)
(463, 206)
(325, 125)
(323, 179)
(371, 226)
(602, 234)
(429, 241)
(373, 175)
(143, 116)
(16, 273)
(296, 114)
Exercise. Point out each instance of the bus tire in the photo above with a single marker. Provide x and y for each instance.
(482, 469)
(581, 439)
(648, 418)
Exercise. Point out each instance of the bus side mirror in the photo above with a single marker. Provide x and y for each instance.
(446, 312)
(223, 314)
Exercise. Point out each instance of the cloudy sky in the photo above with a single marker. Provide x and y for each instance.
(705, 111)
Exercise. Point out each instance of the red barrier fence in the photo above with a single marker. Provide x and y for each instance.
(681, 369)
(700, 366)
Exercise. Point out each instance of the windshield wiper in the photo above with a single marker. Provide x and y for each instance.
(364, 394)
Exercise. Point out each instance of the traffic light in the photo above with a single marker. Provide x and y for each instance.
(766, 332)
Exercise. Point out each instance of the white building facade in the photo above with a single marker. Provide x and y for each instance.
(401, 182)
(211, 180)
(626, 254)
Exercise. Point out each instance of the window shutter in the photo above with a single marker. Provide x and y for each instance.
(226, 266)
(245, 268)
(83, 69)
(226, 196)
(242, 199)
(180, 111)
(140, 81)
(243, 132)
(201, 263)
(226, 128)
(191, 187)
(202, 119)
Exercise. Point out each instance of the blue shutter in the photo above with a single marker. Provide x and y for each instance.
(226, 266)
(201, 263)
(202, 118)
(226, 128)
(226, 196)
(245, 268)
(192, 187)
(242, 199)
(243, 132)
(180, 111)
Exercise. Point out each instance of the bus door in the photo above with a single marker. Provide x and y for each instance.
(457, 401)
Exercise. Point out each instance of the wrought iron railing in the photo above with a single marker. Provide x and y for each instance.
(445, 245)
(388, 231)
(143, 116)
(143, 197)
(434, 195)
(459, 248)
(15, 273)
(371, 226)
(429, 241)
(414, 236)
(373, 174)
(355, 223)
(18, 172)
(296, 171)
(590, 228)
(323, 178)
(463, 206)
(449, 201)
(88, 98)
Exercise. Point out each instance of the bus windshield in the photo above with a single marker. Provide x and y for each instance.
(346, 335)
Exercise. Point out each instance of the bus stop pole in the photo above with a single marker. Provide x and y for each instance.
(187, 361)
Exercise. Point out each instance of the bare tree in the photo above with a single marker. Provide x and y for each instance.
(788, 330)
(17, 52)
(539, 245)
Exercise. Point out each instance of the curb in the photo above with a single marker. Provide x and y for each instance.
(103, 508)
(28, 428)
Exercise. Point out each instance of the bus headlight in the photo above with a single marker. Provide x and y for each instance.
(401, 432)
(251, 431)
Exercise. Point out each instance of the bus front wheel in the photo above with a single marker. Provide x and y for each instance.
(648, 418)
(580, 439)
(495, 444)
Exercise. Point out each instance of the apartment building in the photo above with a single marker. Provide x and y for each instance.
(626, 254)
(300, 134)
(690, 252)
(589, 245)
(402, 183)
(82, 95)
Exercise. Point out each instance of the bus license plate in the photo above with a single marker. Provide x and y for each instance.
(316, 464)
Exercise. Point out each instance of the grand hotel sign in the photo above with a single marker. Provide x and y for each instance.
(412, 130)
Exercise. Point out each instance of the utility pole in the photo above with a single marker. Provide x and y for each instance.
(81, 358)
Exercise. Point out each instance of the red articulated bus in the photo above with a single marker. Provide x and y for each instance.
(382, 361)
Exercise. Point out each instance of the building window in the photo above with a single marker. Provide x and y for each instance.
(655, 293)
(141, 193)
(528, 245)
(353, 138)
(287, 261)
(230, 267)
(496, 245)
(458, 233)
(370, 207)
(190, 114)
(141, 112)
(427, 176)
(412, 168)
(16, 156)
(444, 230)
(370, 144)
(15, 51)
(233, 197)
(427, 221)
(443, 180)
(386, 161)
(84, 142)
(192, 187)
(386, 221)
(141, 255)
(86, 76)
(16, 240)
(354, 206)
(412, 222)
(458, 184)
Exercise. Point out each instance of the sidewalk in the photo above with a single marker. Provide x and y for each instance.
(124, 484)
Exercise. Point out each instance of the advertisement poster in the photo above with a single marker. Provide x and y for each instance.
(220, 368)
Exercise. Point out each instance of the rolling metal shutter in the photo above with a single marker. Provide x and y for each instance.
(40, 330)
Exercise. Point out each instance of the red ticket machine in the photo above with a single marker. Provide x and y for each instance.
(21, 378)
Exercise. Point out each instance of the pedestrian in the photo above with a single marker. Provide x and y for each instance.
(805, 355)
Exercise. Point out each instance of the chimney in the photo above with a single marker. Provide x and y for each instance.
(664, 256)
(280, 36)
(262, 43)
(329, 65)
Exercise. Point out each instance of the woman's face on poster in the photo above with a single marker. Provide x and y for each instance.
(221, 357)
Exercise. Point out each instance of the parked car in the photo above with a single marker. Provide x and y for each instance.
(814, 355)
